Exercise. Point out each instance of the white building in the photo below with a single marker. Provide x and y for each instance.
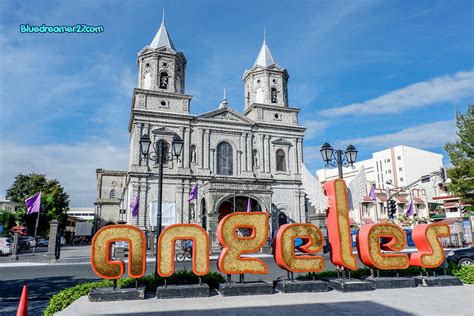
(390, 170)
(86, 213)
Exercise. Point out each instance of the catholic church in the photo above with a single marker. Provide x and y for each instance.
(234, 158)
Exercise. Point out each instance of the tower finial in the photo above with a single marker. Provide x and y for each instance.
(225, 96)
(264, 36)
(163, 19)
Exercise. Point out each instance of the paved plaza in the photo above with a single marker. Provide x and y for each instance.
(410, 301)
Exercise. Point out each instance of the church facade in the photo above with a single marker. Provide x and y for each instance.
(234, 158)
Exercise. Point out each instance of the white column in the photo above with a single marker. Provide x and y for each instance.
(269, 155)
(200, 149)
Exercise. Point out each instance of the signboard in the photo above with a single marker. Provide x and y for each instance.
(378, 245)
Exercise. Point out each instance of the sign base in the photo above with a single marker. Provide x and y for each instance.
(350, 285)
(108, 294)
(250, 288)
(302, 286)
(442, 280)
(182, 291)
(391, 282)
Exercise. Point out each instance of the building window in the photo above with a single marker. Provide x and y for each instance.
(388, 160)
(401, 179)
(399, 157)
(166, 148)
(280, 160)
(113, 194)
(400, 169)
(273, 95)
(164, 80)
(224, 159)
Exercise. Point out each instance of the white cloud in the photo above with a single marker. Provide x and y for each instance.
(313, 128)
(423, 136)
(448, 88)
(73, 165)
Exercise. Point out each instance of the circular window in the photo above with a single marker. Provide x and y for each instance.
(163, 103)
(165, 64)
(274, 81)
(258, 81)
(277, 116)
(147, 65)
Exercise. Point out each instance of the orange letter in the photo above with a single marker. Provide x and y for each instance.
(230, 261)
(285, 248)
(183, 232)
(368, 246)
(102, 245)
(337, 219)
(430, 252)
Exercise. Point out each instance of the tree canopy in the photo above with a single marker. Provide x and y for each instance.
(461, 154)
(54, 201)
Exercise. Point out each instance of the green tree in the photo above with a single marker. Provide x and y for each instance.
(54, 200)
(461, 154)
(7, 219)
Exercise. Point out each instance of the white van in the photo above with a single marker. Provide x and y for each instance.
(6, 246)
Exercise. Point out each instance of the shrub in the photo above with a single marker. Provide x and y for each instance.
(465, 273)
(64, 298)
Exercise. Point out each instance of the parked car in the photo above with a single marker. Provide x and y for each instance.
(6, 246)
(464, 257)
(30, 240)
(23, 243)
(42, 242)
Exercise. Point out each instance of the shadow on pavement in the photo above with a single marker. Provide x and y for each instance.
(34, 308)
(339, 308)
(38, 288)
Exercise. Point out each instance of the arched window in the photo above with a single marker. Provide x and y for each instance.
(224, 159)
(147, 83)
(164, 80)
(280, 160)
(166, 148)
(274, 95)
(259, 96)
(113, 194)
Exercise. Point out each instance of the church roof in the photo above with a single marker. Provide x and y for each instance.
(264, 58)
(162, 37)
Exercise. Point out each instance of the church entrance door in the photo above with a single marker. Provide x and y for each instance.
(237, 204)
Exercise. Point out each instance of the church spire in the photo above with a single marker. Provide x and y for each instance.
(162, 37)
(264, 58)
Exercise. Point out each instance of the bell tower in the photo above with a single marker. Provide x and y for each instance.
(266, 82)
(160, 66)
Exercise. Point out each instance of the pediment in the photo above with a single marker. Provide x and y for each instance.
(163, 131)
(281, 141)
(226, 114)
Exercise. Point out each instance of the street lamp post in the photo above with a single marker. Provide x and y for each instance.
(159, 155)
(339, 158)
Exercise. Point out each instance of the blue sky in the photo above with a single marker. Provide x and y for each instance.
(372, 73)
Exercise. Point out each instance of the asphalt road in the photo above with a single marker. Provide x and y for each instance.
(45, 280)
